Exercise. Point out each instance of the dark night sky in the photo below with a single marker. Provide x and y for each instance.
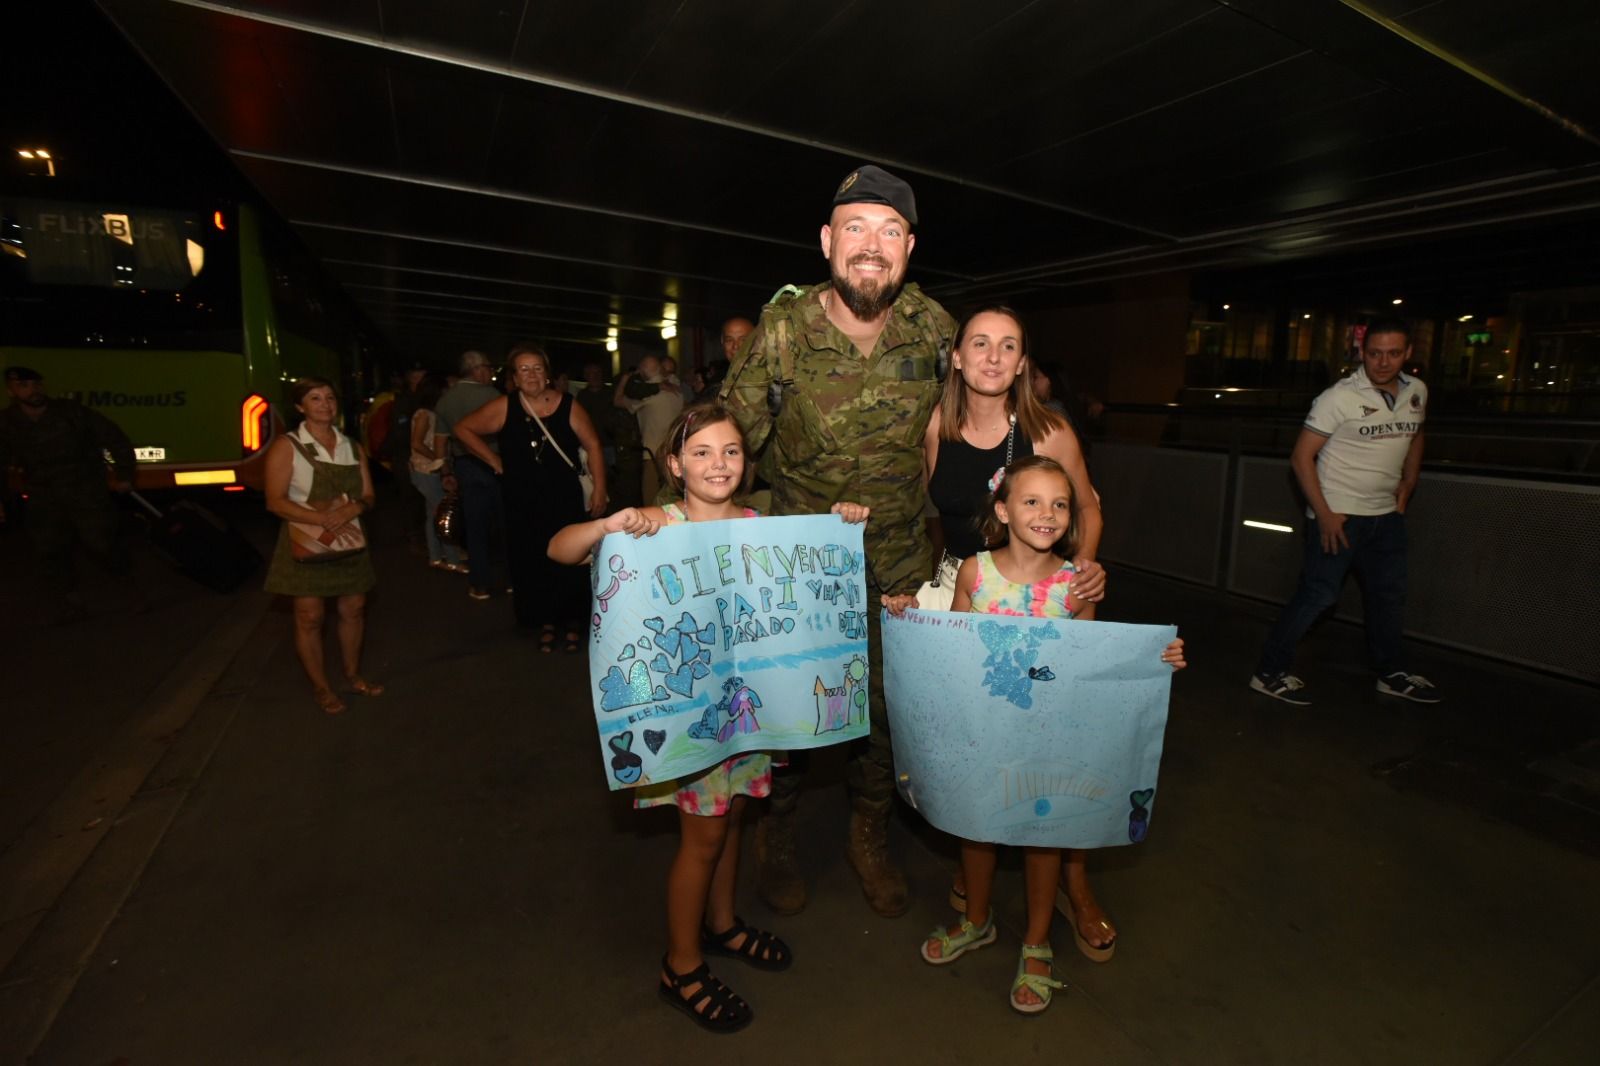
(76, 87)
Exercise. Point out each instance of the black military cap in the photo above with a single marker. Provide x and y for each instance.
(874, 185)
(23, 373)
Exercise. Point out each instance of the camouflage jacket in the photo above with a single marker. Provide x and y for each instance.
(846, 428)
(65, 448)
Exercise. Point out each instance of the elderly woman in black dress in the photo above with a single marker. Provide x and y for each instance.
(988, 417)
(542, 433)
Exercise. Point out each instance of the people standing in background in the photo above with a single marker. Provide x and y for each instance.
(734, 332)
(1357, 461)
(427, 472)
(595, 399)
(318, 476)
(646, 393)
(540, 432)
(59, 446)
(481, 505)
(397, 452)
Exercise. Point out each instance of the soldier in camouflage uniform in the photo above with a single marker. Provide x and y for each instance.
(59, 447)
(834, 389)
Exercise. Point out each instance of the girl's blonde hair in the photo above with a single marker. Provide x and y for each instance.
(1034, 419)
(995, 532)
(692, 420)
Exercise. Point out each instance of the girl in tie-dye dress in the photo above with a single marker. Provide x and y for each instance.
(1032, 518)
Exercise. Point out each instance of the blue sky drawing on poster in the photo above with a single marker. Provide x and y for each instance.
(713, 638)
(1027, 730)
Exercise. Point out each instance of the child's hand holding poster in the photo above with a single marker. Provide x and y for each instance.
(709, 639)
(1027, 730)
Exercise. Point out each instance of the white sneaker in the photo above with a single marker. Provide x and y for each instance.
(1285, 687)
(1413, 687)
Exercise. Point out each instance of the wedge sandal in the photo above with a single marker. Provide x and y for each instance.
(1090, 951)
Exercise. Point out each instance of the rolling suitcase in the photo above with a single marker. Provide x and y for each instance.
(200, 545)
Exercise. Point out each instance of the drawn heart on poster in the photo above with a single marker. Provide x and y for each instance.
(653, 739)
(625, 765)
(618, 691)
(660, 664)
(625, 654)
(666, 639)
(681, 680)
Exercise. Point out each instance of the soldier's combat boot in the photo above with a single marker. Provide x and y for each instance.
(778, 879)
(883, 883)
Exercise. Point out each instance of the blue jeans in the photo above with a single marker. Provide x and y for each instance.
(432, 488)
(484, 512)
(1377, 552)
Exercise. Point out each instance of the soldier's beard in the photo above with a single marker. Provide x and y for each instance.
(868, 301)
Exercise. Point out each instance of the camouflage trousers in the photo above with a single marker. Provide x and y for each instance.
(61, 522)
(870, 771)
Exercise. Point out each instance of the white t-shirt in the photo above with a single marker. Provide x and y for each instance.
(656, 413)
(1359, 466)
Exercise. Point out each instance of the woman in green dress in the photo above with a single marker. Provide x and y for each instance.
(318, 482)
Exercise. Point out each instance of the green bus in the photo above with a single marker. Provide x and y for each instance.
(184, 326)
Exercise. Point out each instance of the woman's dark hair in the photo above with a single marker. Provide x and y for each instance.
(995, 532)
(692, 420)
(1034, 419)
(303, 387)
(429, 389)
(1056, 375)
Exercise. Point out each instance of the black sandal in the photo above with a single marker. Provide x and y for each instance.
(760, 948)
(724, 1013)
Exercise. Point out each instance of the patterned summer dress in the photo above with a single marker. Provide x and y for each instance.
(993, 593)
(710, 792)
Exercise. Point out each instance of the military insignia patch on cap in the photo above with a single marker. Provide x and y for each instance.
(874, 185)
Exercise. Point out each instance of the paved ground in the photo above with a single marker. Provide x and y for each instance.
(439, 875)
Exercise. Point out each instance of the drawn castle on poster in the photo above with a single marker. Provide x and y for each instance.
(838, 707)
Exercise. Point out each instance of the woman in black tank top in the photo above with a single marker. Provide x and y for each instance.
(987, 418)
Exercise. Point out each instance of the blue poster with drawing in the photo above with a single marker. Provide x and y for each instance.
(710, 639)
(1027, 730)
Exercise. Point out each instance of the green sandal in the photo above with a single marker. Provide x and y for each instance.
(1039, 984)
(968, 938)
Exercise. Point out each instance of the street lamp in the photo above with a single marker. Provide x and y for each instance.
(41, 154)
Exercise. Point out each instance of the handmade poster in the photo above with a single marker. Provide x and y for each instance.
(713, 638)
(1027, 730)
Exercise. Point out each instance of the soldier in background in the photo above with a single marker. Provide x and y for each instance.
(59, 447)
(834, 389)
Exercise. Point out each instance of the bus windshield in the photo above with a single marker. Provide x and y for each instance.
(76, 275)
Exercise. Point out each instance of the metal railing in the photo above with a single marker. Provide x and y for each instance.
(1207, 496)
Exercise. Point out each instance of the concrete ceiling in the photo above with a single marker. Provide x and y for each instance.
(475, 172)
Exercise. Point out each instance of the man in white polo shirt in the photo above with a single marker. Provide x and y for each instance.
(1357, 461)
